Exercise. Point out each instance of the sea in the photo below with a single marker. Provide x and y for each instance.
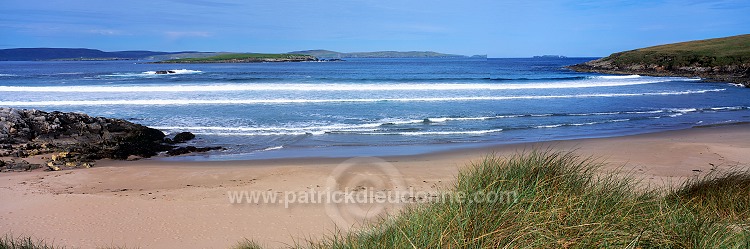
(371, 106)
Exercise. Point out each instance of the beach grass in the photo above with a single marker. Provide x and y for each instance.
(247, 244)
(565, 201)
(24, 242)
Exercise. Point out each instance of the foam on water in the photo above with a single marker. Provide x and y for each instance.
(224, 87)
(273, 148)
(582, 124)
(154, 73)
(433, 133)
(385, 126)
(617, 77)
(312, 101)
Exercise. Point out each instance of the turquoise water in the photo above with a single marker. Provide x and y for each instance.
(371, 107)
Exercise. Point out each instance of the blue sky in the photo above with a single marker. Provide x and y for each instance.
(498, 28)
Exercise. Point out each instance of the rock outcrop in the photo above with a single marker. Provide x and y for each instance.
(739, 74)
(76, 139)
(183, 137)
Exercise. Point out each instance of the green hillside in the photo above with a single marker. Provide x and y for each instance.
(720, 59)
(705, 53)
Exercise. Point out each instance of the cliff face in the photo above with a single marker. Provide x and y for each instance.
(723, 59)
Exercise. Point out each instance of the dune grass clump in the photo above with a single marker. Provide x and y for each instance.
(11, 242)
(247, 244)
(565, 201)
(718, 194)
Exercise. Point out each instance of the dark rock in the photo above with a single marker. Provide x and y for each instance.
(165, 72)
(91, 138)
(190, 149)
(183, 137)
(21, 165)
(78, 139)
(144, 142)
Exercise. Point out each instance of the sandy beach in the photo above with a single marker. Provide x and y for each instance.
(160, 204)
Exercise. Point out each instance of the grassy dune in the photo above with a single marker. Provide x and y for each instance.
(563, 201)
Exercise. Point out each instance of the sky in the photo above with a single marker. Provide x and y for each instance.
(523, 28)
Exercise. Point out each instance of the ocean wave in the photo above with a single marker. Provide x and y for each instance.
(273, 148)
(618, 77)
(155, 73)
(296, 129)
(7, 75)
(732, 108)
(541, 79)
(683, 110)
(152, 102)
(257, 133)
(391, 126)
(448, 119)
(582, 124)
(380, 126)
(327, 87)
(427, 133)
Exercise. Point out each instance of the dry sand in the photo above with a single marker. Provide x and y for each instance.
(158, 204)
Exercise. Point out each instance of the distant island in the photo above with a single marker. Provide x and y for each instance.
(721, 59)
(45, 54)
(320, 53)
(245, 58)
(550, 57)
(85, 54)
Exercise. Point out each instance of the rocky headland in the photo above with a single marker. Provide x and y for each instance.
(721, 59)
(74, 140)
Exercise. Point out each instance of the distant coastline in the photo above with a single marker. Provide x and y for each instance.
(722, 59)
(321, 53)
(85, 54)
(245, 58)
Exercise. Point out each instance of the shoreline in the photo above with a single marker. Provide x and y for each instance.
(431, 149)
(173, 204)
